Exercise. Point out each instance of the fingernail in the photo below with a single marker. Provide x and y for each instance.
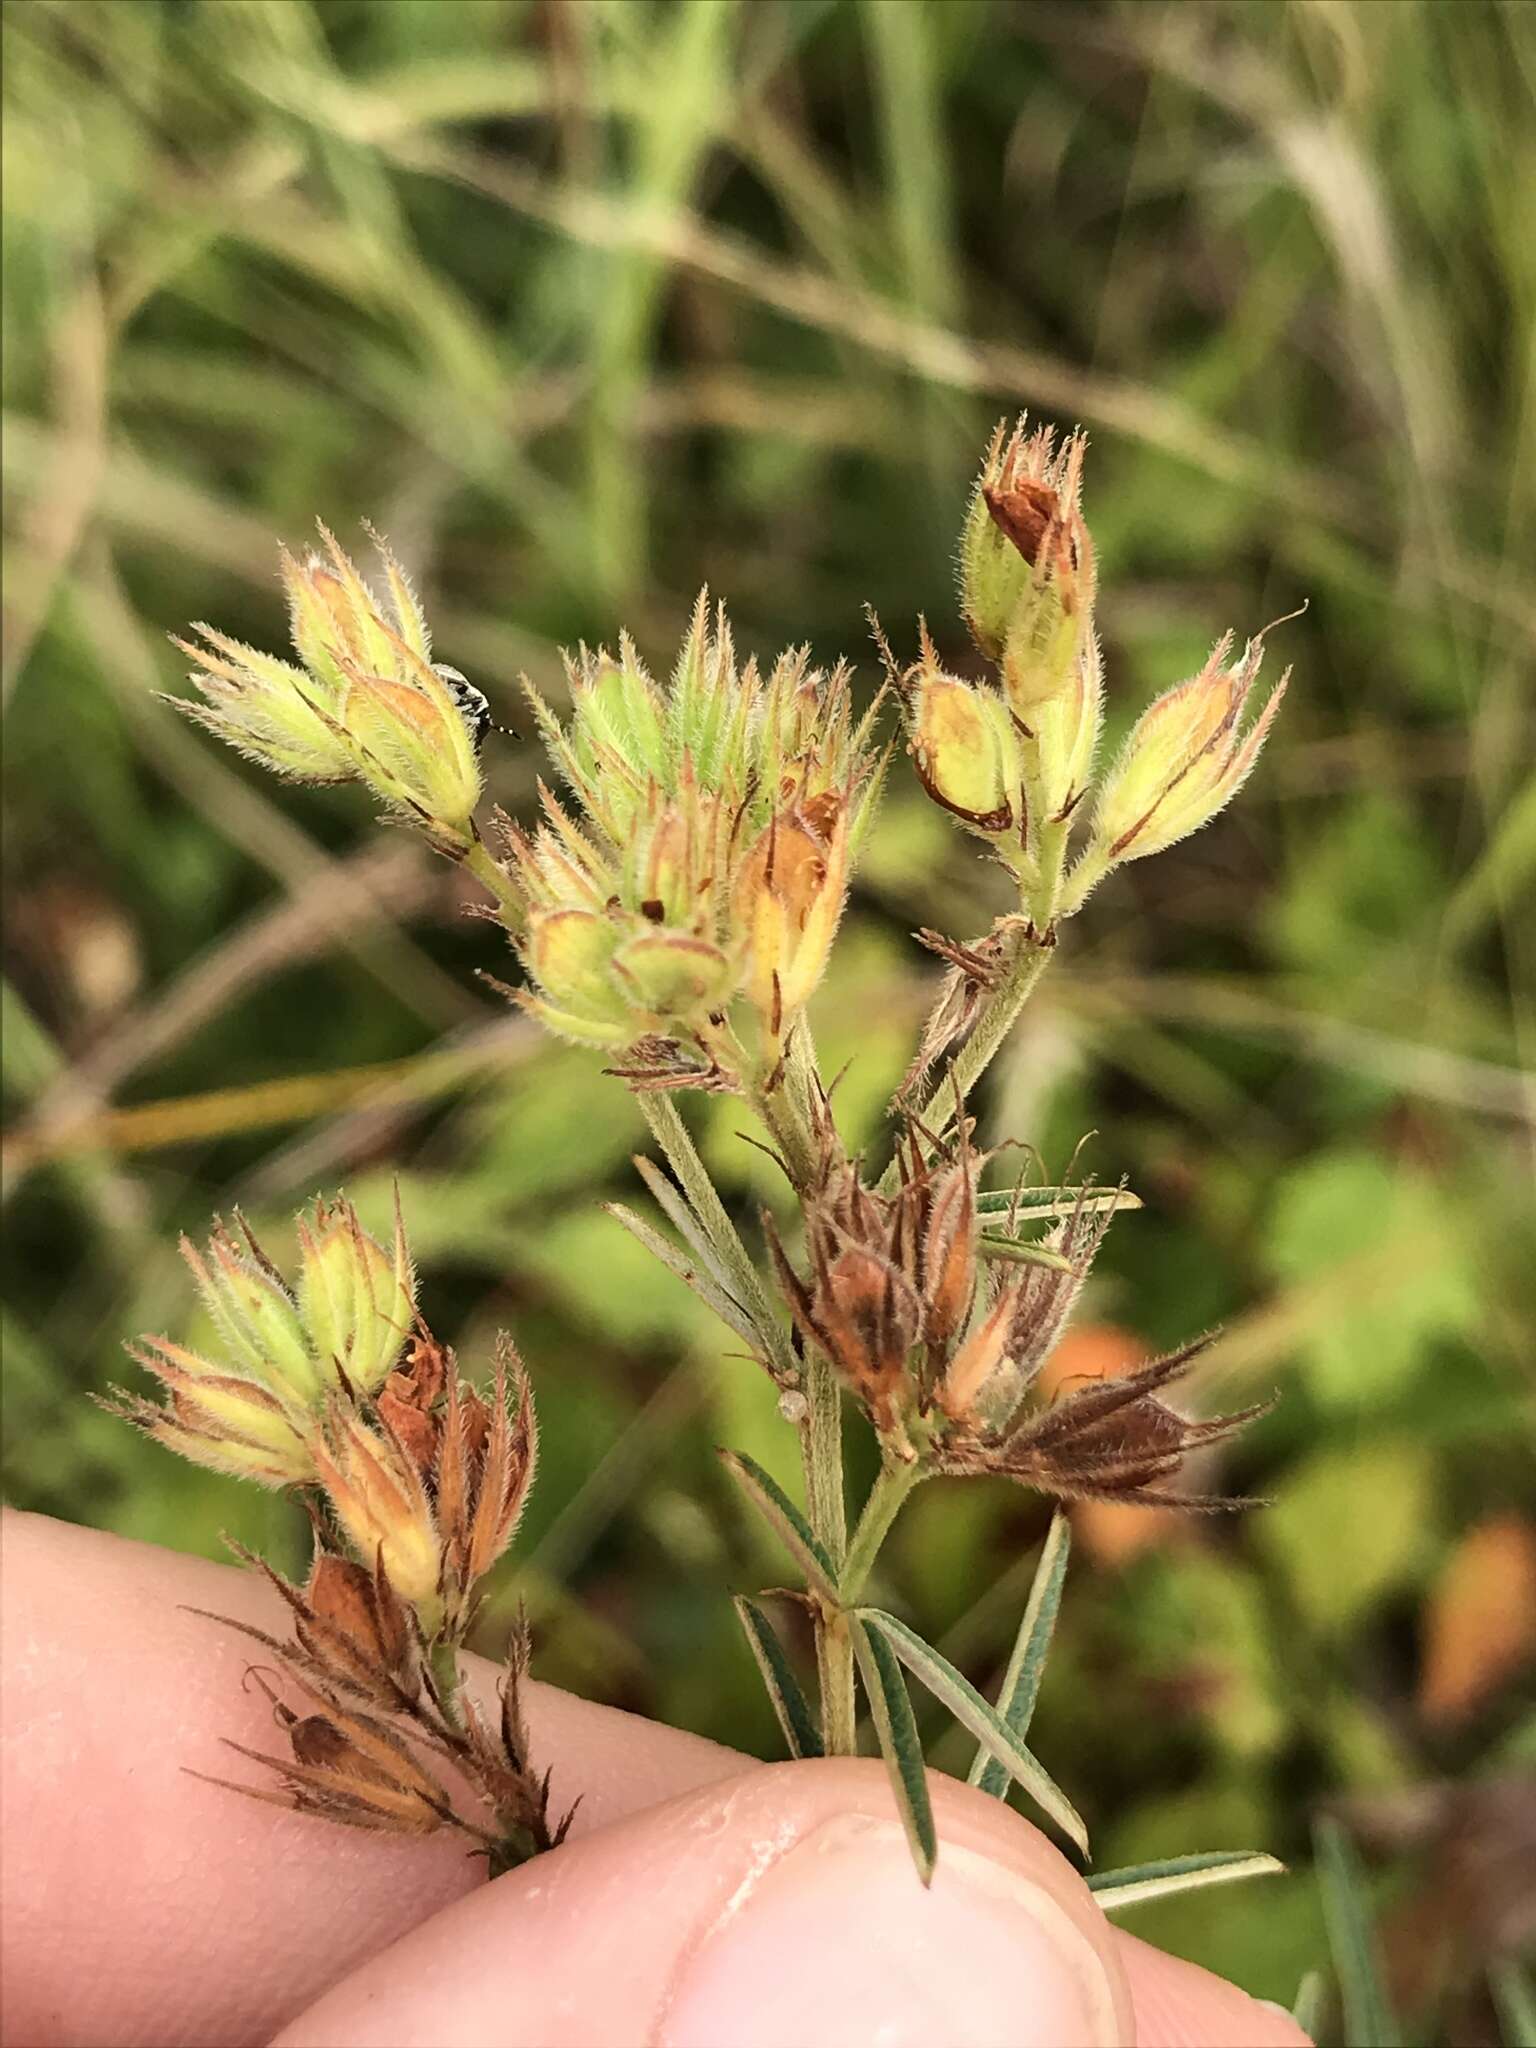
(983, 1957)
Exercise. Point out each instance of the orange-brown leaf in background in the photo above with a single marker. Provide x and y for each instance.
(1479, 1620)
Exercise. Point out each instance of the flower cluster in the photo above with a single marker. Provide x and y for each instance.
(708, 862)
(938, 1312)
(368, 705)
(1014, 758)
(336, 1385)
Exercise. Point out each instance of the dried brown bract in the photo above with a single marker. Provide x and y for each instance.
(1111, 1440)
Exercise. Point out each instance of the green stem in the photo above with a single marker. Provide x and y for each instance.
(485, 869)
(786, 1111)
(1034, 944)
(834, 1638)
(444, 1660)
(886, 1496)
(998, 1016)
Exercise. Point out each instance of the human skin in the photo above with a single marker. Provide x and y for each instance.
(702, 1901)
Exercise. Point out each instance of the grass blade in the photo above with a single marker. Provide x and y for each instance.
(1049, 1205)
(1307, 2007)
(783, 1688)
(896, 1731)
(1022, 1252)
(1514, 1998)
(671, 1133)
(785, 1519)
(688, 1269)
(1137, 1882)
(1021, 1681)
(1346, 1911)
(979, 1716)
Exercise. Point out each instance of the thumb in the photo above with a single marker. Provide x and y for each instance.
(779, 1906)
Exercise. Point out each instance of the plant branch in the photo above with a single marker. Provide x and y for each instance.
(489, 871)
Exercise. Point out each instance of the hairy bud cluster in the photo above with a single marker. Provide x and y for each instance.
(367, 705)
(1014, 758)
(708, 860)
(335, 1383)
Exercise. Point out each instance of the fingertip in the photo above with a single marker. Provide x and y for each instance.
(780, 1906)
(209, 1917)
(1179, 2005)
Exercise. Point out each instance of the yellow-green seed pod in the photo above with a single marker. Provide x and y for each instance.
(673, 976)
(1186, 758)
(964, 749)
(570, 955)
(380, 1500)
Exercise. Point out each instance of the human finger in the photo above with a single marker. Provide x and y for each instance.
(140, 1904)
(779, 1906)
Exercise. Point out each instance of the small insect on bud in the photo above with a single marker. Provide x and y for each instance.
(965, 747)
(357, 1301)
(368, 705)
(472, 704)
(1186, 758)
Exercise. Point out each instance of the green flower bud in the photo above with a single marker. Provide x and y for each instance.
(367, 706)
(220, 1419)
(1186, 758)
(255, 1315)
(964, 747)
(673, 977)
(569, 954)
(1026, 562)
(356, 1299)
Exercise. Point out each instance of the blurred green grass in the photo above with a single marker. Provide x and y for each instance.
(585, 305)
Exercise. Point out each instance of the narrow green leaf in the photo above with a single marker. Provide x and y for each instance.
(896, 1732)
(674, 1205)
(789, 1702)
(786, 1520)
(1137, 1882)
(1346, 1913)
(1026, 1667)
(1019, 1251)
(687, 1268)
(1307, 2008)
(1049, 1205)
(1514, 1998)
(973, 1712)
(671, 1133)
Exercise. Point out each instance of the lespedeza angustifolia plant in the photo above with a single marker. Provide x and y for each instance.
(673, 906)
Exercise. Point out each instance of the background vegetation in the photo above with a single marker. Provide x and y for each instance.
(585, 304)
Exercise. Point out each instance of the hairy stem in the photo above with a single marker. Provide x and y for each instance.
(486, 869)
(999, 1014)
(886, 1496)
(786, 1110)
(1033, 945)
(444, 1661)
